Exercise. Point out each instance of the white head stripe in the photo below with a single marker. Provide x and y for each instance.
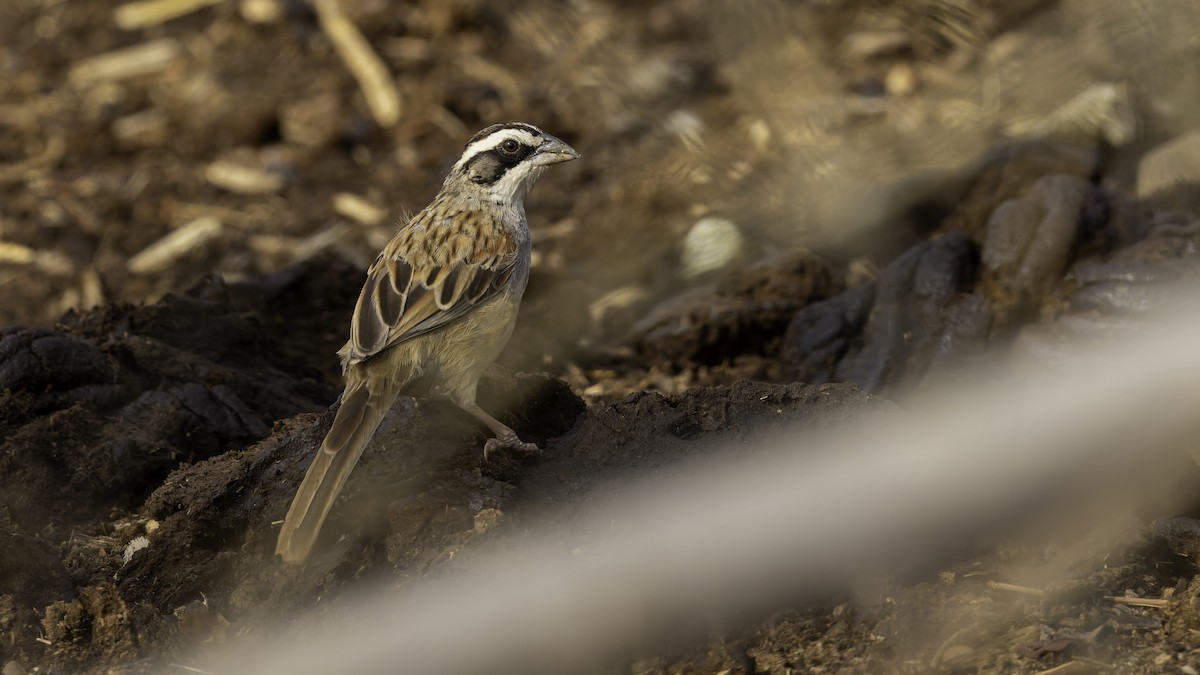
(494, 139)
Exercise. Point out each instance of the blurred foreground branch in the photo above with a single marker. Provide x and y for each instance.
(712, 543)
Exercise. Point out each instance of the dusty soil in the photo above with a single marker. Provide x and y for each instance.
(789, 215)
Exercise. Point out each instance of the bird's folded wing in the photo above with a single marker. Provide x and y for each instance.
(410, 292)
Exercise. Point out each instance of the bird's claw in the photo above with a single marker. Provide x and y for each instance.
(509, 443)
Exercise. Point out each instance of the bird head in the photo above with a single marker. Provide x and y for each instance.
(503, 161)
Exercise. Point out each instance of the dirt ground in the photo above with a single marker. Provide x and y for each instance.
(786, 214)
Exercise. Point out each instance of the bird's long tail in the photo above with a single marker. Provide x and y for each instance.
(364, 404)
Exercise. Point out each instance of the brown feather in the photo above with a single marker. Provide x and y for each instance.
(368, 331)
(388, 303)
(501, 278)
(364, 405)
(478, 286)
(399, 273)
(428, 285)
(448, 292)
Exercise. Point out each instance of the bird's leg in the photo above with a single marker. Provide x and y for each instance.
(505, 437)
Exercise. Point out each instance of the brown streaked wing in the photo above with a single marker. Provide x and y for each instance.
(478, 287)
(450, 289)
(502, 277)
(390, 298)
(368, 328)
(431, 297)
(399, 272)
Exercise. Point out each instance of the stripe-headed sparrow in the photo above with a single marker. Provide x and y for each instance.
(439, 304)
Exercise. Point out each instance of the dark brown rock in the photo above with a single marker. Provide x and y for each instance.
(745, 313)
(883, 335)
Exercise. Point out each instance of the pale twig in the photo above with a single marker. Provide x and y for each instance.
(1140, 602)
(357, 208)
(319, 241)
(50, 262)
(242, 179)
(162, 253)
(17, 254)
(146, 13)
(363, 62)
(1026, 590)
(143, 59)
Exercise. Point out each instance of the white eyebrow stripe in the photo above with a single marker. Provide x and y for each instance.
(494, 139)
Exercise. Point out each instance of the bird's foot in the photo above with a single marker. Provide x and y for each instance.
(512, 443)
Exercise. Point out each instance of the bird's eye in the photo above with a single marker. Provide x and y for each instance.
(510, 146)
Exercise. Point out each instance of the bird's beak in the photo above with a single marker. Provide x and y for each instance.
(554, 151)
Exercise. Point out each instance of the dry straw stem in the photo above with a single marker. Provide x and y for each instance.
(1069, 668)
(242, 179)
(135, 15)
(15, 254)
(363, 62)
(238, 218)
(1140, 602)
(50, 262)
(320, 241)
(147, 126)
(144, 59)
(1025, 590)
(159, 255)
(357, 208)
(91, 288)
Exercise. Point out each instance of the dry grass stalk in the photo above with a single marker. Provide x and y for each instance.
(1069, 668)
(242, 179)
(144, 59)
(146, 13)
(366, 66)
(91, 288)
(1024, 590)
(50, 262)
(159, 255)
(15, 254)
(146, 128)
(1140, 602)
(319, 241)
(357, 208)
(272, 245)
(188, 211)
(262, 11)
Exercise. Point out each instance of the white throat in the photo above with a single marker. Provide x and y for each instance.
(514, 185)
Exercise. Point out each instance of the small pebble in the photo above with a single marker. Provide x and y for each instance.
(901, 80)
(710, 245)
(261, 11)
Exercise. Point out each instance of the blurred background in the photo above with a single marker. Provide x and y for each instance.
(885, 193)
(148, 144)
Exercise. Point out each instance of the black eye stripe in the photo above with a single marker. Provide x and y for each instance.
(514, 157)
(488, 166)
